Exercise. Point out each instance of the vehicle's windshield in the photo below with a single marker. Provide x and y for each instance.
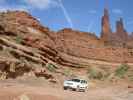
(83, 81)
(76, 80)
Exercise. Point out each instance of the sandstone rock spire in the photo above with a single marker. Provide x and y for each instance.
(120, 30)
(106, 30)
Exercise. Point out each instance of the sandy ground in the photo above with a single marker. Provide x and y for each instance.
(25, 90)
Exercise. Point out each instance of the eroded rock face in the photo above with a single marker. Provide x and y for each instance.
(76, 43)
(24, 40)
(22, 36)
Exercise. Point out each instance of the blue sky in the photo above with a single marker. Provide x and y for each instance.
(84, 15)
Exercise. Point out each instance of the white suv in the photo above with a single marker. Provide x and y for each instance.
(76, 84)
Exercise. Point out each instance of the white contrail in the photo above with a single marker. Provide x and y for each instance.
(90, 26)
(66, 14)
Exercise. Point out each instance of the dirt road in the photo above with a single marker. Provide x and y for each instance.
(13, 90)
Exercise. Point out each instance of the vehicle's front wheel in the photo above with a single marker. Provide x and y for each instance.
(84, 90)
(65, 88)
(73, 89)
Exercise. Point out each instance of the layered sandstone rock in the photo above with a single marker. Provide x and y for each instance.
(26, 45)
(73, 42)
(25, 41)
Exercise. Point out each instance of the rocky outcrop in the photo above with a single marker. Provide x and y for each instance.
(120, 30)
(73, 42)
(119, 38)
(106, 30)
(26, 45)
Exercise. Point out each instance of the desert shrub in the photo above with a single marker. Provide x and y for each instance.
(130, 77)
(19, 39)
(67, 72)
(121, 70)
(94, 73)
(129, 74)
(51, 67)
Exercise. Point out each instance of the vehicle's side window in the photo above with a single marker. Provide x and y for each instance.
(82, 81)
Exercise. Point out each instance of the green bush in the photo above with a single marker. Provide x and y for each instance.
(95, 74)
(51, 67)
(19, 39)
(121, 70)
